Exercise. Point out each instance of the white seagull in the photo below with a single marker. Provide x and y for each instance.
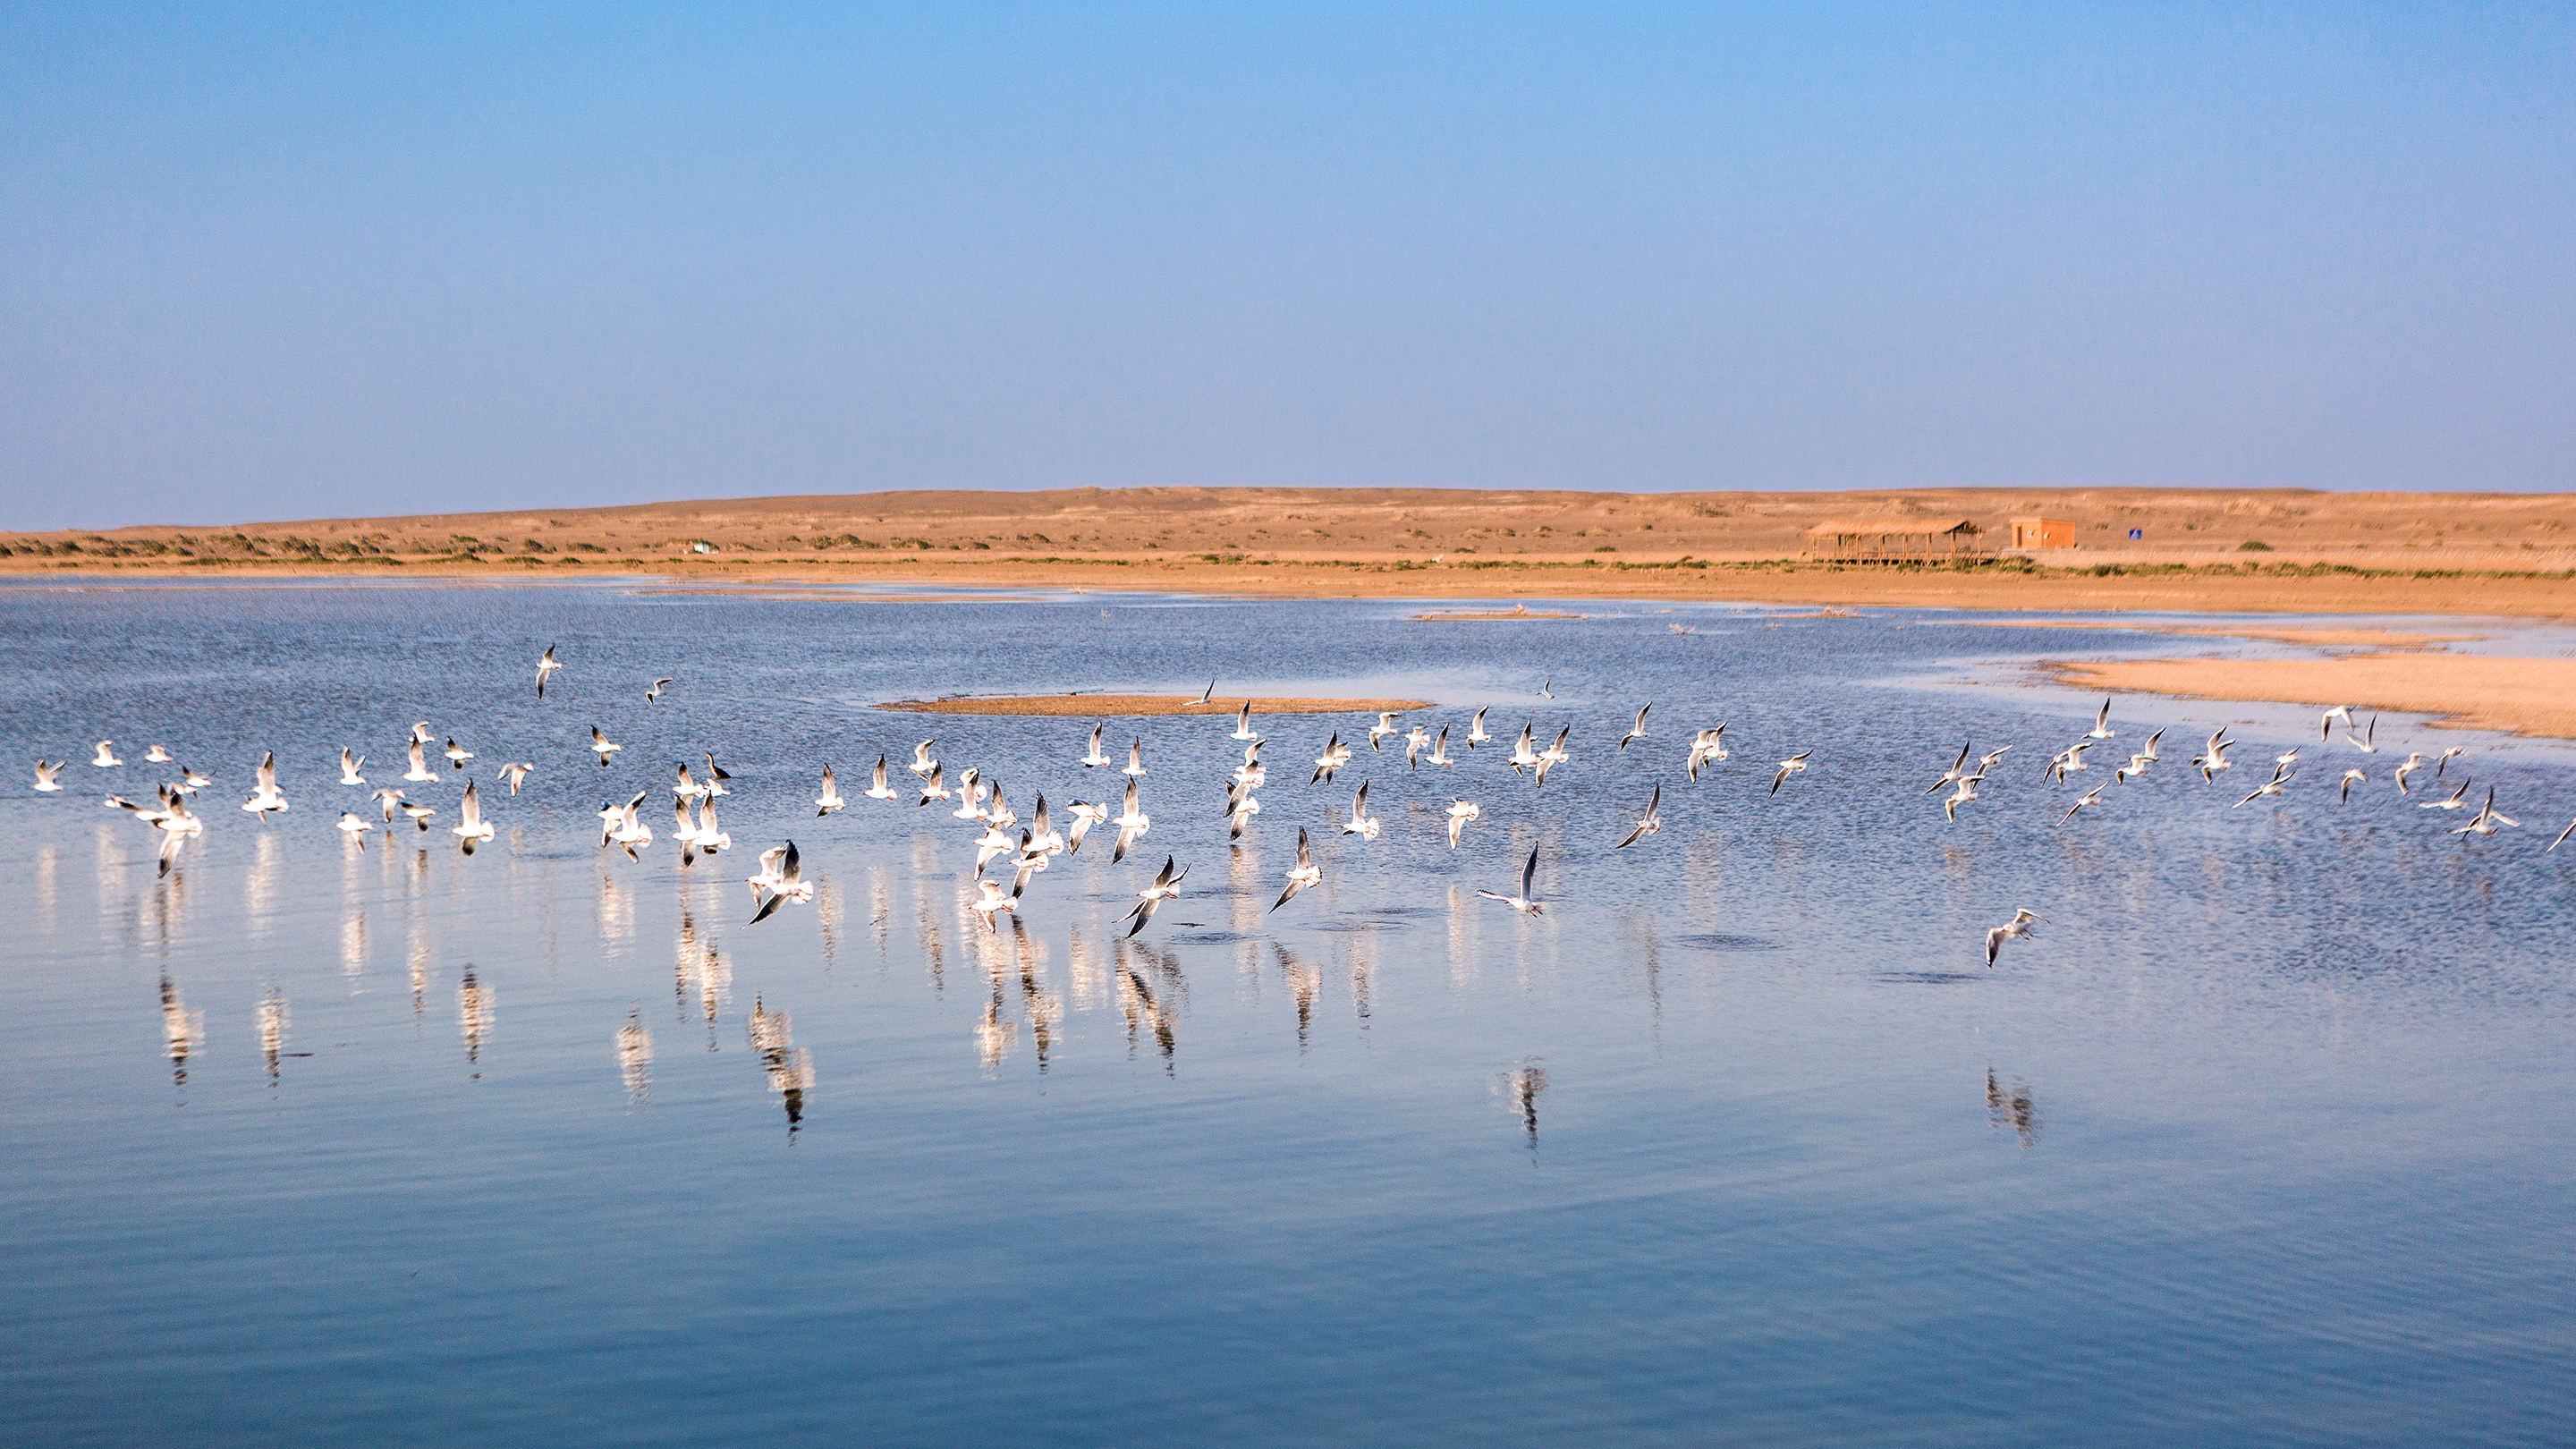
(471, 828)
(2016, 929)
(157, 755)
(600, 746)
(2089, 798)
(1084, 816)
(1166, 887)
(2454, 801)
(1135, 758)
(515, 773)
(1795, 764)
(1305, 873)
(1335, 755)
(1414, 744)
(1965, 794)
(2414, 762)
(922, 764)
(1095, 757)
(1385, 726)
(2325, 722)
(1132, 825)
(1476, 730)
(2350, 779)
(1707, 745)
(457, 754)
(2101, 724)
(49, 776)
(546, 667)
(266, 799)
(878, 789)
(787, 883)
(992, 896)
(2272, 787)
(1526, 903)
(1460, 812)
(1362, 824)
(655, 692)
(2486, 820)
(420, 771)
(1243, 724)
(1636, 731)
(349, 763)
(105, 758)
(1650, 823)
(830, 800)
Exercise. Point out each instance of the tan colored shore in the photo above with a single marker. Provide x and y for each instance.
(2494, 595)
(1089, 705)
(2522, 696)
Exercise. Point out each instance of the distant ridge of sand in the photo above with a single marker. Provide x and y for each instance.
(2487, 553)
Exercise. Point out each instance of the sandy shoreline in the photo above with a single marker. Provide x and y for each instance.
(2464, 691)
(1089, 705)
(2249, 591)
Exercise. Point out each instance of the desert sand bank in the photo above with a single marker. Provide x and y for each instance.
(2247, 589)
(1090, 705)
(2522, 696)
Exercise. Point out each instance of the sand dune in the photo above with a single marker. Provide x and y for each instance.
(2499, 554)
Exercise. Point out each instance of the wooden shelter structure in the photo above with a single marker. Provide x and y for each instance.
(1894, 540)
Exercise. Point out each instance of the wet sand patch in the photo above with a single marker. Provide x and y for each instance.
(2466, 691)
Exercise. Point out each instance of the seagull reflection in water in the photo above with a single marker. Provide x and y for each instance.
(790, 1069)
(635, 1058)
(1305, 983)
(183, 1031)
(272, 1031)
(1044, 1010)
(1520, 1088)
(474, 1006)
(2012, 1109)
(1148, 1002)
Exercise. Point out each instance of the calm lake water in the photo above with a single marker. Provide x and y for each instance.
(2266, 1137)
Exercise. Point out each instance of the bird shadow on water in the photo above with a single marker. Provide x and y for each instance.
(1714, 941)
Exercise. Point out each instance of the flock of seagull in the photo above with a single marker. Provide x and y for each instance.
(1028, 847)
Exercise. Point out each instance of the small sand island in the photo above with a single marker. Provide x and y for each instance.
(2468, 691)
(1090, 705)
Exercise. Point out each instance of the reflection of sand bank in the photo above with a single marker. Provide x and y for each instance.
(2367, 638)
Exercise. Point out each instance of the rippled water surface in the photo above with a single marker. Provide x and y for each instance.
(2264, 1138)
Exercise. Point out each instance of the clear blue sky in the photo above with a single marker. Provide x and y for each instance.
(278, 263)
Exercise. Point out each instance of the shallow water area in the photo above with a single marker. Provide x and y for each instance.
(2263, 1137)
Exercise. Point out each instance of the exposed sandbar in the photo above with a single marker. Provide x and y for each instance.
(2467, 691)
(1089, 705)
